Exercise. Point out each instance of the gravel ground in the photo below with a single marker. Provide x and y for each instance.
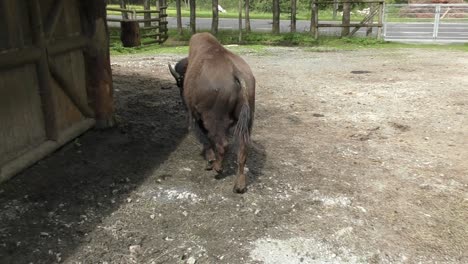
(358, 157)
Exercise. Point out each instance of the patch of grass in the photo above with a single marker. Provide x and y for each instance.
(257, 42)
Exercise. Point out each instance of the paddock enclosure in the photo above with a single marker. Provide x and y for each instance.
(358, 156)
(55, 78)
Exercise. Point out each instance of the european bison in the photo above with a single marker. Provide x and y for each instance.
(218, 89)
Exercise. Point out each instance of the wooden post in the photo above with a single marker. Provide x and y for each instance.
(97, 61)
(371, 20)
(161, 7)
(314, 20)
(123, 5)
(381, 14)
(130, 33)
(147, 6)
(43, 73)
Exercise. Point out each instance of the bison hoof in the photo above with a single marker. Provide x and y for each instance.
(238, 189)
(240, 185)
(209, 166)
(218, 168)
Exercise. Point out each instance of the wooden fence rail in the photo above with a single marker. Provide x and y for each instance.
(376, 9)
(132, 32)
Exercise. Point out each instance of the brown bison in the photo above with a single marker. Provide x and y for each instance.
(218, 89)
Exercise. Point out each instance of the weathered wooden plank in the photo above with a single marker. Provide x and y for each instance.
(42, 68)
(17, 58)
(350, 25)
(53, 18)
(67, 45)
(70, 90)
(14, 31)
(21, 118)
(18, 164)
(365, 21)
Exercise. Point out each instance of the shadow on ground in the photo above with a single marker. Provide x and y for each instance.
(52, 206)
(49, 210)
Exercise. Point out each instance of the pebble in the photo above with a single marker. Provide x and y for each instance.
(134, 249)
(191, 260)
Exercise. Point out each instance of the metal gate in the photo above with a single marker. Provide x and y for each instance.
(426, 22)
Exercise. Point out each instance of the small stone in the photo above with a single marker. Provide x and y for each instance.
(184, 213)
(135, 249)
(191, 260)
(153, 216)
(129, 200)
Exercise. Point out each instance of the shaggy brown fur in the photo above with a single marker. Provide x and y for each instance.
(219, 92)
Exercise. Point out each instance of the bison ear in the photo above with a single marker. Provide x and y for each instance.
(173, 71)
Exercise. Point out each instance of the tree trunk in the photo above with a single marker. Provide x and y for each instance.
(276, 17)
(335, 8)
(193, 25)
(247, 16)
(293, 15)
(179, 16)
(147, 6)
(123, 5)
(240, 21)
(346, 19)
(215, 18)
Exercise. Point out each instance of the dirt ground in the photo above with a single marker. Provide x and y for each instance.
(358, 157)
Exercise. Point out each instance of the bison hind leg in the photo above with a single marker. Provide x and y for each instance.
(202, 135)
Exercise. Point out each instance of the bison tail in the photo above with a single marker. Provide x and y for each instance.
(244, 124)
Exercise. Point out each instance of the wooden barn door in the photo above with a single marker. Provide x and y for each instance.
(44, 98)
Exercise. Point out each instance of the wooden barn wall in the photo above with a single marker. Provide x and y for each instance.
(22, 118)
(22, 122)
(71, 64)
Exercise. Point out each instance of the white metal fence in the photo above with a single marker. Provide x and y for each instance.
(426, 22)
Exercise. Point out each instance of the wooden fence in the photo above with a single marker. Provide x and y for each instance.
(143, 28)
(376, 9)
